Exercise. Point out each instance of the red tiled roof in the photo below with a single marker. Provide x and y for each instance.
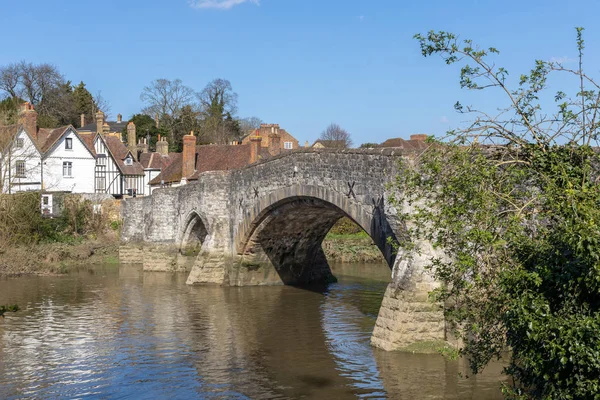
(119, 152)
(88, 140)
(405, 144)
(172, 173)
(210, 158)
(46, 138)
(157, 160)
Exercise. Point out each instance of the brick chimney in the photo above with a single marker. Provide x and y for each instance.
(255, 147)
(306, 145)
(142, 147)
(105, 128)
(99, 121)
(274, 142)
(189, 155)
(131, 139)
(420, 137)
(162, 146)
(28, 118)
(119, 118)
(82, 120)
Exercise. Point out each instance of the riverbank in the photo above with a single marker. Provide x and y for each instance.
(351, 248)
(58, 258)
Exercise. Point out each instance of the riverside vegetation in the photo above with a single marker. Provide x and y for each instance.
(512, 199)
(32, 243)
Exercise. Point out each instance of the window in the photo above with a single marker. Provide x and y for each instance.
(45, 200)
(101, 160)
(128, 161)
(20, 169)
(69, 144)
(20, 143)
(287, 145)
(67, 168)
(100, 184)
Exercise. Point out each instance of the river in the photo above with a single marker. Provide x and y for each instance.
(118, 332)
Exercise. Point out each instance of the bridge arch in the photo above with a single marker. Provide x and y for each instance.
(194, 233)
(286, 228)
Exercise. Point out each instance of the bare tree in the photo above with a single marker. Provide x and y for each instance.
(38, 80)
(10, 80)
(167, 98)
(101, 104)
(249, 124)
(218, 105)
(336, 136)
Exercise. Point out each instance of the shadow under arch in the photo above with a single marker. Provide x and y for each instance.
(194, 234)
(286, 229)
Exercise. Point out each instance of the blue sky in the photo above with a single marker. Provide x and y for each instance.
(300, 63)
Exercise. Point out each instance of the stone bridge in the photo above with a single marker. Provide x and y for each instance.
(264, 225)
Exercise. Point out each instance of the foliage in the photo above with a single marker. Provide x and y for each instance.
(512, 200)
(56, 100)
(5, 309)
(345, 226)
(338, 136)
(146, 126)
(21, 221)
(218, 106)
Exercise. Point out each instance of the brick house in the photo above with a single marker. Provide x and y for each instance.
(416, 142)
(287, 141)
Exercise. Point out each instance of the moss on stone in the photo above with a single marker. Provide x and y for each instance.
(428, 347)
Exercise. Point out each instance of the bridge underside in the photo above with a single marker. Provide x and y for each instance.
(289, 241)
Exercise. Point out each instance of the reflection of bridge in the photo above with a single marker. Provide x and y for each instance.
(264, 224)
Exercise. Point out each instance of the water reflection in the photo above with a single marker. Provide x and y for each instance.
(125, 333)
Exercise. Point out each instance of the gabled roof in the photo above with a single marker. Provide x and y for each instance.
(172, 173)
(119, 153)
(47, 137)
(88, 140)
(157, 160)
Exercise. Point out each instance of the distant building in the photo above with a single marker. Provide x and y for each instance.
(416, 142)
(286, 142)
(329, 144)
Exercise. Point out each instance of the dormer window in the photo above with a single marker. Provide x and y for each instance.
(128, 161)
(68, 144)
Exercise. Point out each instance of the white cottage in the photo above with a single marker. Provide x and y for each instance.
(53, 160)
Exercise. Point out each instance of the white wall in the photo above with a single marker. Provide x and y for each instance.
(151, 174)
(83, 166)
(32, 158)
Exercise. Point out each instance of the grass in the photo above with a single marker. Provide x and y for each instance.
(430, 347)
(359, 235)
(110, 259)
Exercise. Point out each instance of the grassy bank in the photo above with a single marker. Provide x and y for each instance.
(351, 248)
(57, 258)
(33, 244)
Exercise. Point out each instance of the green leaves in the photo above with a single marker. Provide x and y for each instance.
(513, 200)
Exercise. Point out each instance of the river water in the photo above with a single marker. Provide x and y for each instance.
(117, 332)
